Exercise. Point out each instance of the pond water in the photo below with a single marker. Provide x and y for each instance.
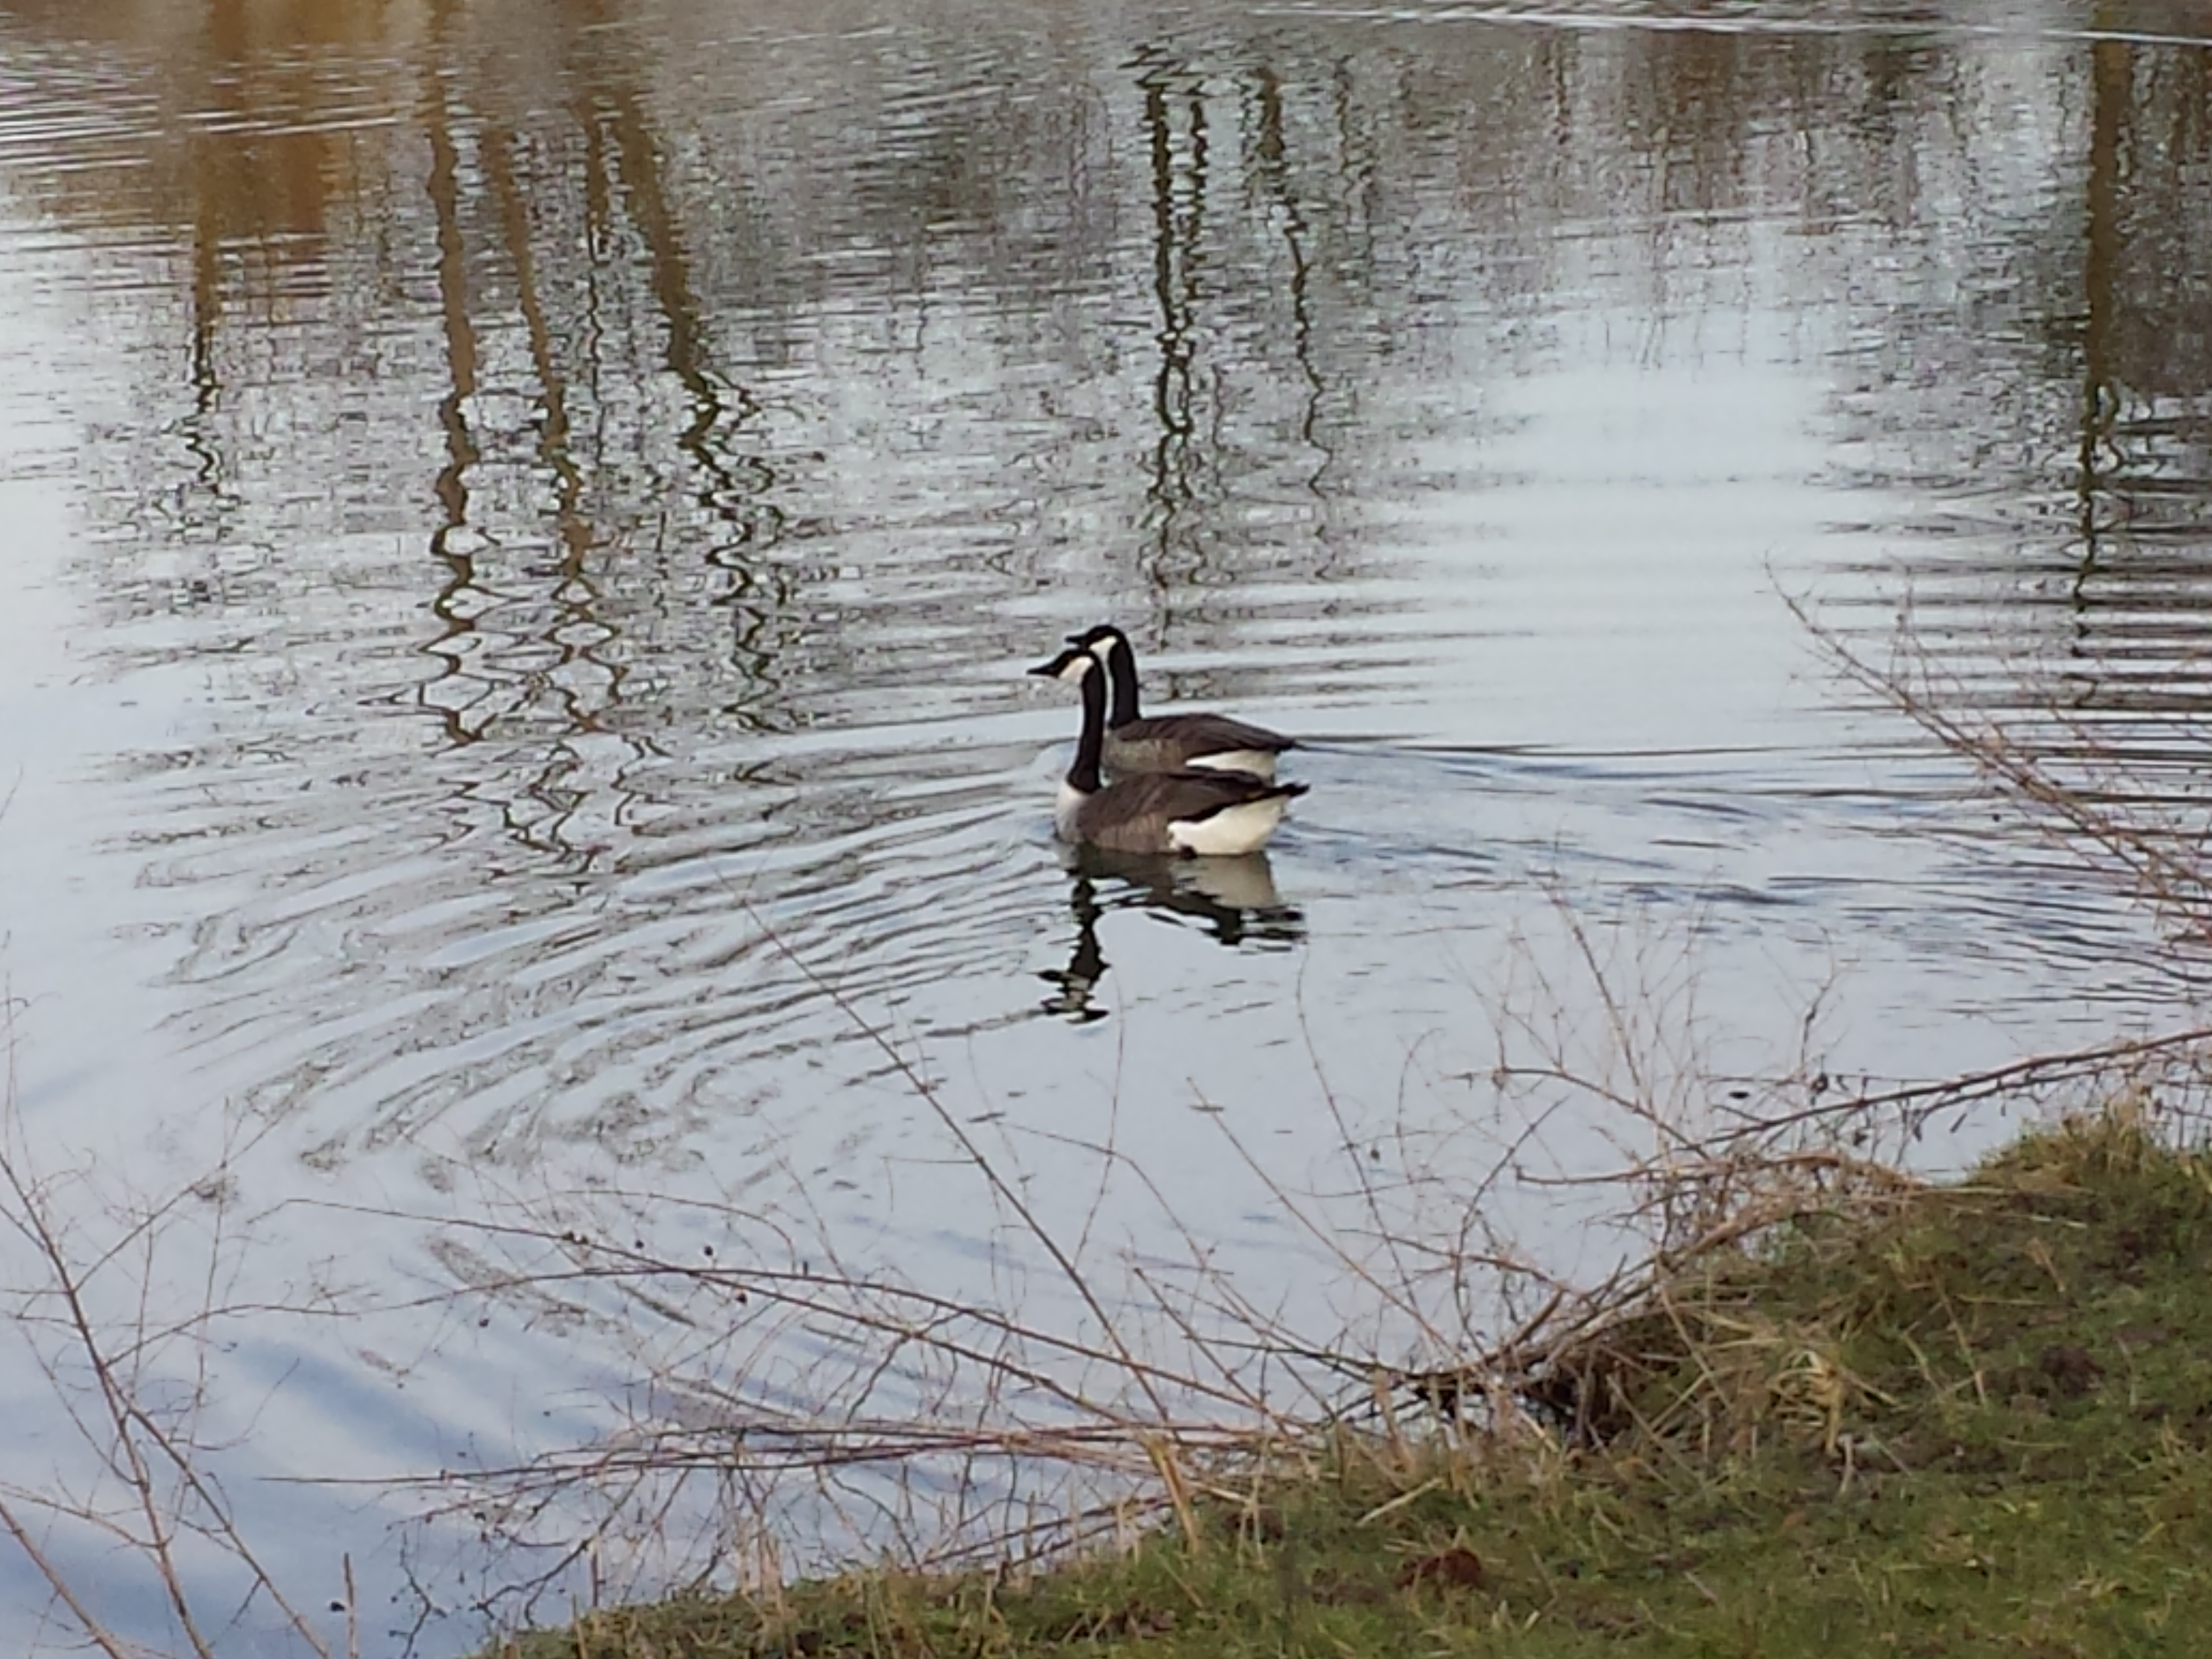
(523, 528)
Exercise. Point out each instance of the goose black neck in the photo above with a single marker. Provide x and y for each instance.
(1089, 748)
(1122, 665)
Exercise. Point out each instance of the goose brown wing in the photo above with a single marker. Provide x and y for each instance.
(1187, 797)
(1205, 733)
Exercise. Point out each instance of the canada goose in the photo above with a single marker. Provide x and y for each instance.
(1155, 812)
(1173, 743)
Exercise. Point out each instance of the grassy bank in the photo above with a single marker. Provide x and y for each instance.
(1972, 1418)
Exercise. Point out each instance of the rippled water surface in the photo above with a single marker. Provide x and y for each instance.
(524, 527)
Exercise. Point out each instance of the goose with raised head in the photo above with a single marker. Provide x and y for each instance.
(1210, 813)
(1172, 743)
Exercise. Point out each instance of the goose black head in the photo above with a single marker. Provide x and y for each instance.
(1101, 639)
(1073, 663)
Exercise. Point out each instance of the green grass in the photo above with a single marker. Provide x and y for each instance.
(1965, 1419)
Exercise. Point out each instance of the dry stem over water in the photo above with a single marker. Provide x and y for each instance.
(134, 1380)
(1815, 1331)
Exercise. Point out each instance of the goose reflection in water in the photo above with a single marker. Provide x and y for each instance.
(1236, 898)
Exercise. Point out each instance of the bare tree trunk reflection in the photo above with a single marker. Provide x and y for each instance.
(450, 486)
(2112, 77)
(580, 623)
(730, 489)
(1270, 153)
(1178, 189)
